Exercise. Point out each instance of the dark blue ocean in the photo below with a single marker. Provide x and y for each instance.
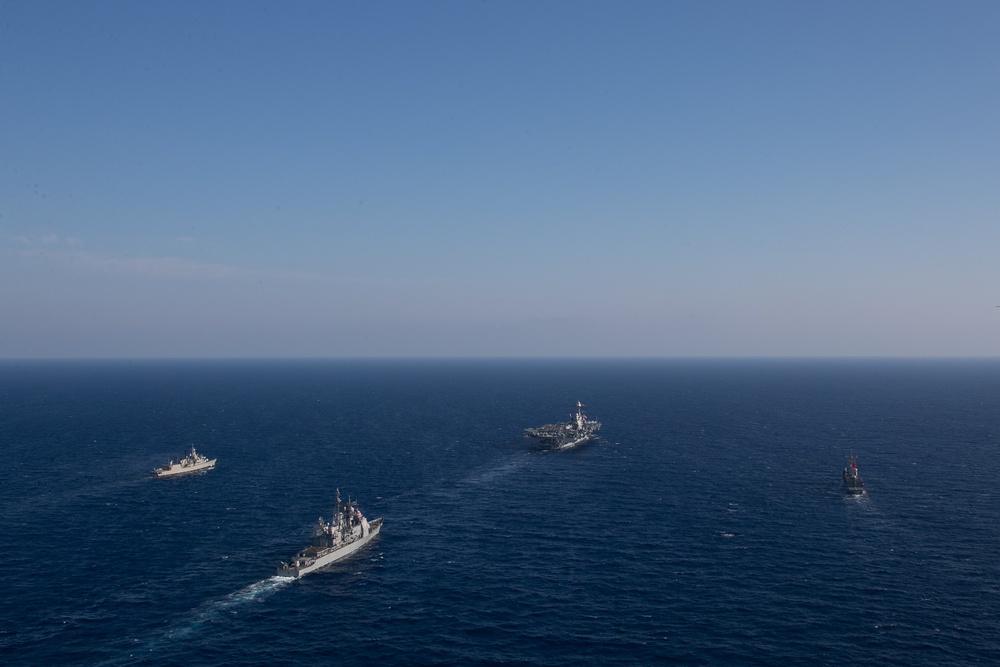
(707, 526)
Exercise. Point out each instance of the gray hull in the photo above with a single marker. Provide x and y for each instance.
(179, 469)
(852, 481)
(578, 441)
(310, 559)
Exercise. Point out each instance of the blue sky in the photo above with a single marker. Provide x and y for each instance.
(499, 179)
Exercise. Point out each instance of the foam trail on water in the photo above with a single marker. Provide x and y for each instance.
(213, 609)
(203, 614)
(482, 476)
(496, 470)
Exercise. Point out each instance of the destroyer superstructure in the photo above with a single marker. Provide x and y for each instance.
(563, 435)
(346, 532)
(852, 479)
(192, 462)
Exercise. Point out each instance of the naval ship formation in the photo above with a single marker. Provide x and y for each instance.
(347, 531)
(564, 435)
(193, 462)
(852, 479)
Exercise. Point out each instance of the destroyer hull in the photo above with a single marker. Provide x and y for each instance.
(331, 555)
(183, 470)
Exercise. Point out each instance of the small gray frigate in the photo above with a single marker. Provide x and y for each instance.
(564, 435)
(193, 462)
(852, 479)
(347, 531)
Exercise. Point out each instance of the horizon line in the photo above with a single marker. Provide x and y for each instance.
(705, 357)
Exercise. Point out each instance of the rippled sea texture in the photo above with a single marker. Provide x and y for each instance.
(707, 526)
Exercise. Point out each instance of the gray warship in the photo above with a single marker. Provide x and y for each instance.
(192, 462)
(565, 435)
(852, 479)
(346, 532)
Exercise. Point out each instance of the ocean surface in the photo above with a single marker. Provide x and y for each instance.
(707, 526)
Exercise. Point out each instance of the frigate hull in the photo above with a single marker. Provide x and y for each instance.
(177, 469)
(193, 462)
